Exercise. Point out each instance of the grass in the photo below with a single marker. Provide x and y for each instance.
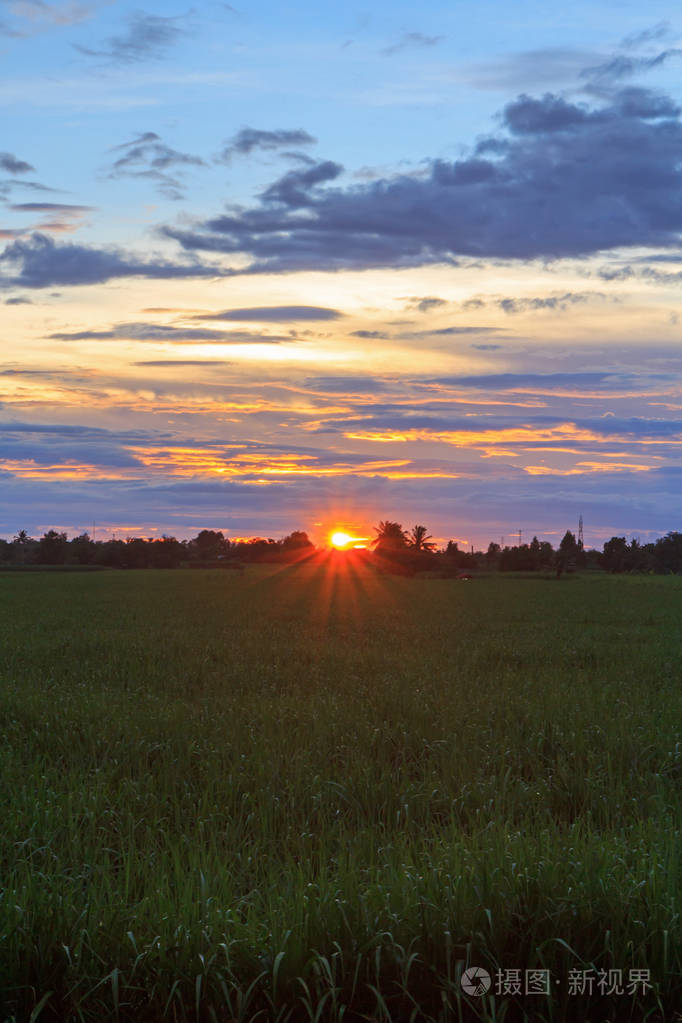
(320, 794)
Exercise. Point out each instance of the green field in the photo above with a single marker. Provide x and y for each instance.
(315, 793)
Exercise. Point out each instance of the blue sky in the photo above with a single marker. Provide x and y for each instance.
(297, 266)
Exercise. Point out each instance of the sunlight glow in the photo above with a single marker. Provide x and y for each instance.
(343, 541)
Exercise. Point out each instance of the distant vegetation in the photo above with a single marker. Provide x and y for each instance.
(393, 550)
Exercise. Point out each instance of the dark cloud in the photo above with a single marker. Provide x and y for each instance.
(8, 185)
(410, 39)
(61, 216)
(370, 335)
(274, 313)
(148, 157)
(161, 332)
(392, 417)
(181, 362)
(68, 431)
(648, 35)
(622, 66)
(345, 385)
(543, 381)
(19, 300)
(465, 330)
(40, 262)
(555, 303)
(530, 116)
(43, 444)
(11, 164)
(50, 207)
(487, 348)
(249, 140)
(564, 180)
(425, 304)
(650, 274)
(296, 188)
(147, 36)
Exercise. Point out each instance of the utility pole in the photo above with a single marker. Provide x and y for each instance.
(520, 531)
(581, 544)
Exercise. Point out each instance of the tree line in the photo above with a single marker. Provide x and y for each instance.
(393, 549)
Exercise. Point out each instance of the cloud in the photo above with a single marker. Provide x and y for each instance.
(564, 180)
(370, 335)
(147, 156)
(648, 35)
(50, 207)
(650, 274)
(555, 303)
(11, 164)
(425, 304)
(345, 385)
(409, 40)
(31, 16)
(147, 36)
(161, 332)
(249, 140)
(46, 445)
(622, 66)
(296, 188)
(7, 185)
(540, 68)
(61, 216)
(465, 330)
(274, 314)
(40, 262)
(182, 362)
(19, 300)
(612, 504)
(541, 381)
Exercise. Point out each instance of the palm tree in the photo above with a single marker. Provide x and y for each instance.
(390, 536)
(420, 540)
(21, 539)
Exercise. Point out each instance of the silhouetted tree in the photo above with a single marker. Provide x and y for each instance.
(492, 555)
(390, 537)
(82, 550)
(296, 541)
(257, 549)
(137, 553)
(165, 553)
(567, 554)
(111, 554)
(615, 554)
(668, 553)
(22, 541)
(52, 548)
(420, 540)
(209, 545)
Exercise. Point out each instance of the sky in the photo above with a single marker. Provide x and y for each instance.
(269, 267)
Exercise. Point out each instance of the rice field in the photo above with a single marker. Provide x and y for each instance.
(315, 793)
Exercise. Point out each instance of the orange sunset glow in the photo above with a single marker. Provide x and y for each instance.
(344, 541)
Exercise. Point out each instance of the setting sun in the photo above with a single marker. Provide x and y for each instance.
(343, 541)
(340, 540)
